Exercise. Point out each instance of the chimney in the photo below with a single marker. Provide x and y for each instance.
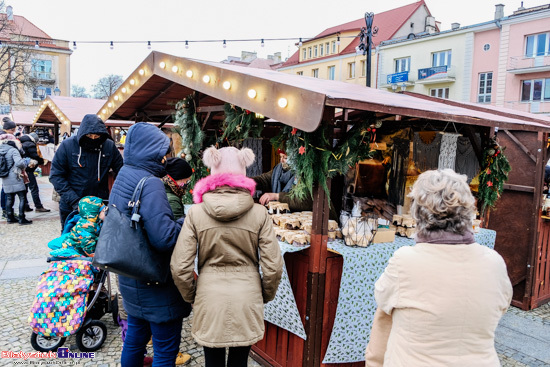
(455, 26)
(499, 11)
(430, 25)
(277, 57)
(9, 12)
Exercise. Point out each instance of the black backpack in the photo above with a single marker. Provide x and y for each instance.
(4, 167)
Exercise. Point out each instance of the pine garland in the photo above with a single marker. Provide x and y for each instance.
(493, 176)
(239, 124)
(313, 159)
(188, 126)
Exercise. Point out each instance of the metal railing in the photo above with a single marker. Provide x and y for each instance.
(42, 75)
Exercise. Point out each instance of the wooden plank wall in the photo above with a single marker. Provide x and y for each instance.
(541, 292)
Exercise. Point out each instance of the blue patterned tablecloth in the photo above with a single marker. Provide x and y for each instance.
(356, 305)
(283, 311)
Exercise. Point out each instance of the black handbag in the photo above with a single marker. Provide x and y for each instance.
(123, 246)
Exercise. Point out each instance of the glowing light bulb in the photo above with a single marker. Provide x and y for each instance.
(186, 44)
(162, 65)
(252, 93)
(282, 102)
(124, 90)
(141, 71)
(109, 105)
(175, 69)
(226, 85)
(104, 111)
(132, 82)
(116, 98)
(206, 79)
(189, 73)
(148, 45)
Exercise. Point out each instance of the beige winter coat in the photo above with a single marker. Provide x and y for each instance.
(235, 237)
(445, 302)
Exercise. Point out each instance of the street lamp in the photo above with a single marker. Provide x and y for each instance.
(41, 91)
(57, 91)
(365, 41)
(394, 87)
(403, 87)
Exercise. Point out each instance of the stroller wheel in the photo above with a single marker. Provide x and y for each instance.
(91, 336)
(43, 343)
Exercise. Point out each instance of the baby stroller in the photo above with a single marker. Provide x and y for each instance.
(72, 297)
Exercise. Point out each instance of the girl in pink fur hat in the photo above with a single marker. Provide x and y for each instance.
(235, 237)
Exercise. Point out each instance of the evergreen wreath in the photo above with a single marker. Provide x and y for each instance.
(239, 124)
(493, 176)
(188, 126)
(313, 159)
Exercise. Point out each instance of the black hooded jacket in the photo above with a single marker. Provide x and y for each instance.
(79, 168)
(31, 151)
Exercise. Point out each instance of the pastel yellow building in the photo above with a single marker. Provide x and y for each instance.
(333, 54)
(45, 64)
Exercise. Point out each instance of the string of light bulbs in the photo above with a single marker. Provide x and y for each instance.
(187, 43)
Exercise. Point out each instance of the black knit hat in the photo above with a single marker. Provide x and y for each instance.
(8, 123)
(178, 168)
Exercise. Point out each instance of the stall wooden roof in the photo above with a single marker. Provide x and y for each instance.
(161, 80)
(69, 111)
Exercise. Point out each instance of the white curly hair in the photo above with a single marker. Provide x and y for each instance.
(442, 202)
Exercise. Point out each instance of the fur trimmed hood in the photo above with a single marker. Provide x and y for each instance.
(6, 138)
(212, 182)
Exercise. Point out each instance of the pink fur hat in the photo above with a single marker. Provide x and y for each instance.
(228, 160)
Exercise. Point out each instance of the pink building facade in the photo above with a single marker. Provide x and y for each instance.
(511, 63)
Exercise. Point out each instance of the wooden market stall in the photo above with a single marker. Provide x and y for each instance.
(160, 81)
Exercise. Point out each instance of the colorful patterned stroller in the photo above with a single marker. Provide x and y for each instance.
(72, 296)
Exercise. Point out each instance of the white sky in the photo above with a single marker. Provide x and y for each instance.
(180, 20)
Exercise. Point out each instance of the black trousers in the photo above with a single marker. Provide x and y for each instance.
(215, 357)
(33, 187)
(10, 200)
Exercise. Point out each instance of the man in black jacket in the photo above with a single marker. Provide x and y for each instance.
(31, 151)
(81, 164)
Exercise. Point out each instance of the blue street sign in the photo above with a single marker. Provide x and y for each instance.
(398, 77)
(428, 72)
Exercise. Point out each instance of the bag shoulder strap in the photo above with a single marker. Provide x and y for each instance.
(135, 202)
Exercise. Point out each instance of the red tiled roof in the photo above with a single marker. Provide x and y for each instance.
(388, 23)
(26, 27)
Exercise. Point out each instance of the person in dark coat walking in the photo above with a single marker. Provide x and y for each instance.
(153, 309)
(81, 165)
(31, 151)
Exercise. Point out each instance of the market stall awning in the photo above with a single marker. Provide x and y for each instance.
(69, 111)
(161, 80)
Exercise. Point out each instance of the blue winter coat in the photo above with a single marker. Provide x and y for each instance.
(145, 147)
(77, 172)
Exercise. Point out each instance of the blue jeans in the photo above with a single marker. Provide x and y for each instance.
(166, 342)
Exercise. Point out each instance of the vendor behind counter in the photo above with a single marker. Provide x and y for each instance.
(277, 183)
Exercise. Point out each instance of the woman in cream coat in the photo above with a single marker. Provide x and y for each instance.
(440, 301)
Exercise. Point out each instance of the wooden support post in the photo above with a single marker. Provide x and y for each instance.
(317, 269)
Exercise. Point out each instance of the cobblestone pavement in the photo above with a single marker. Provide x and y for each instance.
(26, 245)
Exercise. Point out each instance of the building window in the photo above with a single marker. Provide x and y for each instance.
(442, 58)
(42, 69)
(299, 73)
(363, 68)
(314, 51)
(309, 52)
(351, 70)
(403, 64)
(486, 47)
(327, 48)
(537, 45)
(485, 87)
(321, 49)
(315, 73)
(333, 47)
(440, 93)
(304, 55)
(331, 72)
(535, 90)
